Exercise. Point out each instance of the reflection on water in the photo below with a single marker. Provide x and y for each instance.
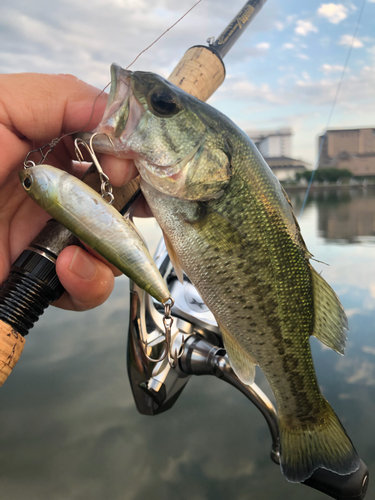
(343, 214)
(70, 431)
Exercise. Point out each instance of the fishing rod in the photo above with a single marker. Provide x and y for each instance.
(33, 284)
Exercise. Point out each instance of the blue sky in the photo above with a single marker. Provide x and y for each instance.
(283, 71)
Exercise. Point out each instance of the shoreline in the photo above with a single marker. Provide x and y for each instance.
(322, 187)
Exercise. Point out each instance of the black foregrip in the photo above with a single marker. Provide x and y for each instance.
(237, 26)
(32, 283)
(350, 487)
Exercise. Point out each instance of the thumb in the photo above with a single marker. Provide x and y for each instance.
(87, 280)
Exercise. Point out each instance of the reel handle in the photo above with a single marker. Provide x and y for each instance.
(350, 487)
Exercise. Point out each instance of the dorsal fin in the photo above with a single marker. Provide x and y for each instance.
(330, 323)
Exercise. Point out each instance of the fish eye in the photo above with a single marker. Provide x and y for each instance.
(164, 103)
(27, 182)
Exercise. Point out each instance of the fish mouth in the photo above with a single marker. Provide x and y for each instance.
(116, 134)
(121, 117)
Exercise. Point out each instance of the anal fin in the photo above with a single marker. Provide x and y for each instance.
(330, 323)
(242, 363)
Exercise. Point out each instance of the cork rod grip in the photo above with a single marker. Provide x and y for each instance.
(11, 347)
(200, 72)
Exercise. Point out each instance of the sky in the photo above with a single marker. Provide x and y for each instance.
(283, 72)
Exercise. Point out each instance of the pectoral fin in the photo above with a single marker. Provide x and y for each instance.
(330, 322)
(174, 259)
(242, 363)
(207, 174)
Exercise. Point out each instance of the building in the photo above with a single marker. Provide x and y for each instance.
(285, 168)
(352, 149)
(276, 148)
(273, 143)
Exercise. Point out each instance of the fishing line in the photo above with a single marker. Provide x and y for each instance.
(138, 56)
(331, 112)
(55, 141)
(166, 31)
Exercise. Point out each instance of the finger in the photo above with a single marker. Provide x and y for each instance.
(87, 281)
(40, 107)
(12, 153)
(120, 171)
(116, 272)
(141, 208)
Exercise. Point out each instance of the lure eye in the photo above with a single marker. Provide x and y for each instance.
(164, 103)
(27, 182)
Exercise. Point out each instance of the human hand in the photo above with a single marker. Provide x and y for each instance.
(34, 109)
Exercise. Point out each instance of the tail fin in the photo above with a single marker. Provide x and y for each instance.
(323, 444)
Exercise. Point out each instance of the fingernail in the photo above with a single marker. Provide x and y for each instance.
(82, 265)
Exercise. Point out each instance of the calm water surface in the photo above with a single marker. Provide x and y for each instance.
(70, 431)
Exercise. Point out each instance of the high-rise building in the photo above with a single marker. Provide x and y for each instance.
(276, 148)
(273, 143)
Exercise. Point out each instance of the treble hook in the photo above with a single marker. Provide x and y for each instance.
(105, 187)
(167, 322)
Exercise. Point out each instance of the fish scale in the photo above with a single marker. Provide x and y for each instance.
(229, 226)
(230, 307)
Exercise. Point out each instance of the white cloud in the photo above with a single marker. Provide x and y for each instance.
(279, 25)
(244, 89)
(352, 312)
(334, 12)
(368, 349)
(331, 68)
(305, 75)
(348, 40)
(259, 50)
(289, 46)
(363, 373)
(303, 56)
(72, 39)
(305, 27)
(263, 46)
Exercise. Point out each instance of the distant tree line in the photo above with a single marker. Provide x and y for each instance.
(325, 174)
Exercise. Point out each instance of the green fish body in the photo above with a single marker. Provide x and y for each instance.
(229, 226)
(89, 217)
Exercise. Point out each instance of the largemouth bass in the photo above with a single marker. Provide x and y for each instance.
(89, 217)
(229, 226)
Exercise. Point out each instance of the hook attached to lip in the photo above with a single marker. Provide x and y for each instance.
(106, 187)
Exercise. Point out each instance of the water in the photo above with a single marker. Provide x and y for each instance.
(70, 431)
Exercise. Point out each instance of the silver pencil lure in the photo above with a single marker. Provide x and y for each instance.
(89, 217)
